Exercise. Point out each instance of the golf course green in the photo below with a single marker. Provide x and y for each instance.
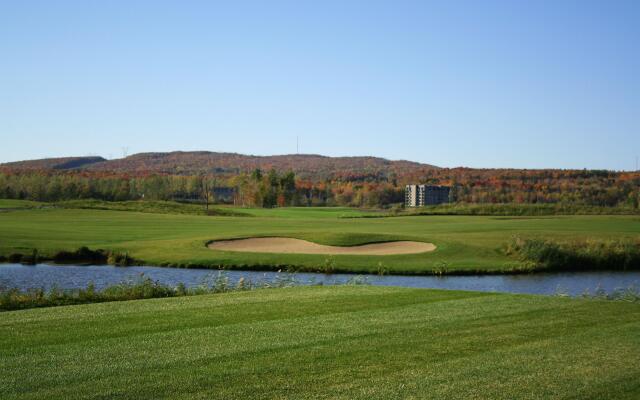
(349, 342)
(463, 243)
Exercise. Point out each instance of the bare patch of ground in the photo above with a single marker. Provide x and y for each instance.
(290, 245)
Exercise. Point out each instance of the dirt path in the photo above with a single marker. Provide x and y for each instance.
(289, 245)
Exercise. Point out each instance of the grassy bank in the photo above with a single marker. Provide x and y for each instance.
(465, 244)
(325, 342)
(146, 288)
(520, 210)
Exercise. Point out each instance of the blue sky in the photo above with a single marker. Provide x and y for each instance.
(480, 83)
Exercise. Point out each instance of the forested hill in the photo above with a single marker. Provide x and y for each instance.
(60, 163)
(305, 166)
(304, 180)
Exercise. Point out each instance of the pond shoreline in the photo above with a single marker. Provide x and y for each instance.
(79, 276)
(292, 268)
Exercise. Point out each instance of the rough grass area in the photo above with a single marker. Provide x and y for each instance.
(465, 244)
(521, 209)
(150, 206)
(621, 254)
(325, 342)
(309, 212)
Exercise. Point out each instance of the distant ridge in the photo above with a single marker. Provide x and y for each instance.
(310, 166)
(53, 163)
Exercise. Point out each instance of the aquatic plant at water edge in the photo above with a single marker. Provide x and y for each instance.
(143, 287)
(619, 254)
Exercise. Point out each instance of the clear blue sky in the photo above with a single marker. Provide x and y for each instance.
(528, 84)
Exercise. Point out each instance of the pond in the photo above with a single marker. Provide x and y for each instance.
(78, 276)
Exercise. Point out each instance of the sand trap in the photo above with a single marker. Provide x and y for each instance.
(289, 245)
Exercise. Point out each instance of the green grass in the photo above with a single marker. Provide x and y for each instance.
(325, 342)
(14, 204)
(465, 243)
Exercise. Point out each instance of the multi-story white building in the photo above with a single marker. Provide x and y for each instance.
(423, 195)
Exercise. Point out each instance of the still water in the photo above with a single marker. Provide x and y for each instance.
(77, 276)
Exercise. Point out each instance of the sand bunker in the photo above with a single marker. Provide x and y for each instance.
(289, 245)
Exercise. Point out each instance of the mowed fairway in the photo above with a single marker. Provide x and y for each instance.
(325, 342)
(462, 242)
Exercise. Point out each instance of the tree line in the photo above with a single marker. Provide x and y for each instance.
(271, 188)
